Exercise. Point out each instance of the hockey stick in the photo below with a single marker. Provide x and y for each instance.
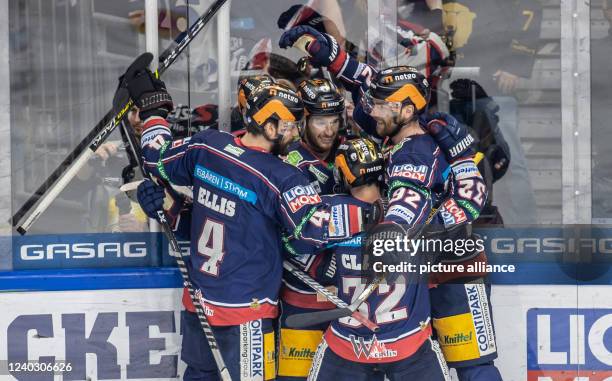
(329, 315)
(32, 209)
(311, 318)
(175, 251)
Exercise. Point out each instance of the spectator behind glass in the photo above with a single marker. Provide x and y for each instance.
(498, 39)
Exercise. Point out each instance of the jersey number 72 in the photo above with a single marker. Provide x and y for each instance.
(386, 311)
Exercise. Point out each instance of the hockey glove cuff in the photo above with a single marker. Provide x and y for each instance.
(453, 137)
(150, 197)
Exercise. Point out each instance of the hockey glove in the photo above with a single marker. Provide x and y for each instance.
(148, 92)
(325, 270)
(500, 160)
(150, 197)
(466, 89)
(453, 137)
(323, 50)
(377, 213)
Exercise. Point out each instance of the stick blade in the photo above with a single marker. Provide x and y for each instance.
(313, 318)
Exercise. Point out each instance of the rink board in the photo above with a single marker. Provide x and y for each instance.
(545, 333)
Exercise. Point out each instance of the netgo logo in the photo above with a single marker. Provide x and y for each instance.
(569, 344)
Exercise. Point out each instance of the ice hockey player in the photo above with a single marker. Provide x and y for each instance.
(314, 153)
(402, 348)
(246, 85)
(244, 199)
(390, 104)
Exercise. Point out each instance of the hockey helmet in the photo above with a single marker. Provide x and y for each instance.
(247, 84)
(398, 84)
(359, 162)
(321, 97)
(274, 103)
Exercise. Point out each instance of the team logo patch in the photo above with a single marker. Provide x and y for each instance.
(402, 212)
(465, 170)
(294, 158)
(373, 350)
(336, 221)
(236, 151)
(410, 171)
(321, 177)
(451, 213)
(301, 195)
(345, 220)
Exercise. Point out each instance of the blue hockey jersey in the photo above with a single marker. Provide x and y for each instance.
(319, 172)
(417, 169)
(401, 310)
(244, 200)
(321, 176)
(294, 291)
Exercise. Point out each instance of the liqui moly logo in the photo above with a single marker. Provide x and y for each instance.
(301, 195)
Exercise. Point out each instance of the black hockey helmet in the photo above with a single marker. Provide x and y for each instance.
(247, 84)
(360, 162)
(402, 84)
(321, 97)
(274, 103)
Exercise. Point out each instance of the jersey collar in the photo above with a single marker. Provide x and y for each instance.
(239, 143)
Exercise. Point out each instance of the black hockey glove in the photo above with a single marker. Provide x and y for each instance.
(500, 161)
(377, 213)
(466, 89)
(149, 93)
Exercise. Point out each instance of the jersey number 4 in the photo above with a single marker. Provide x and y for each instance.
(210, 246)
(386, 312)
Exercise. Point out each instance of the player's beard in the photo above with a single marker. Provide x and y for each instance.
(280, 146)
(390, 126)
(312, 142)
